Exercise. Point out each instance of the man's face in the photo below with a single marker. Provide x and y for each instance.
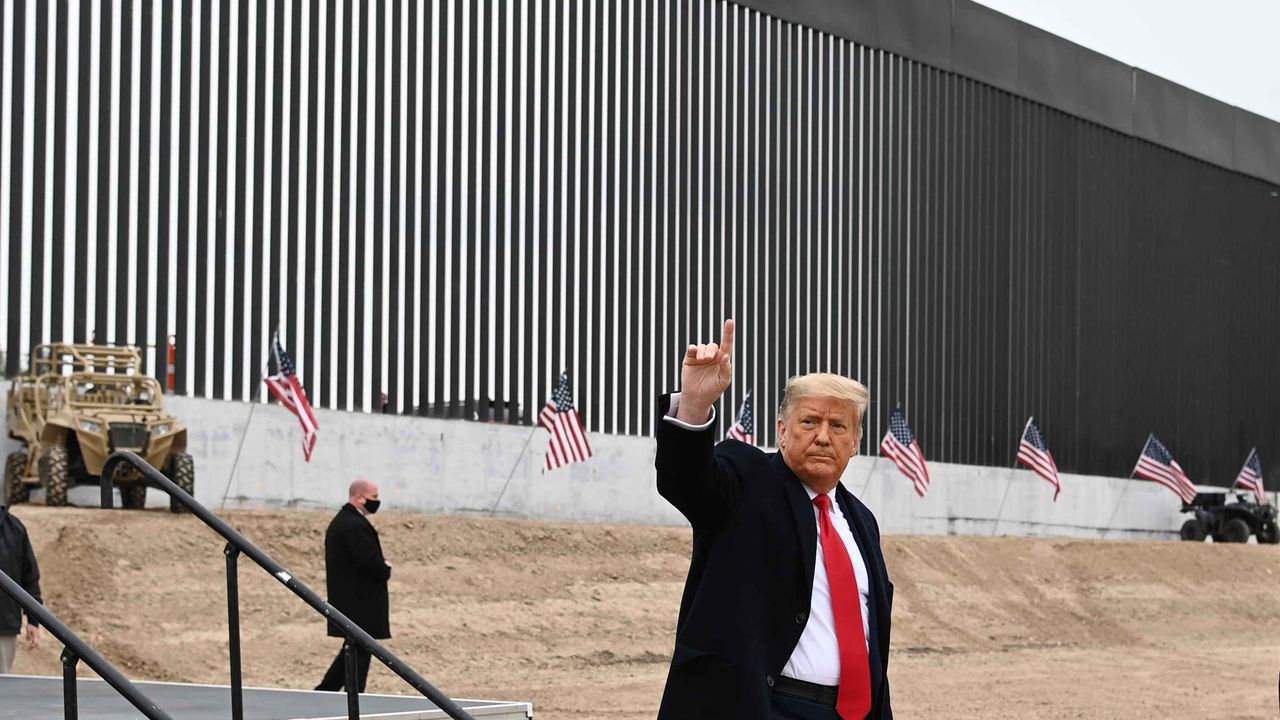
(817, 438)
(371, 493)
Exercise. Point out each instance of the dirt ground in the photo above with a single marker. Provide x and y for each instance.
(578, 618)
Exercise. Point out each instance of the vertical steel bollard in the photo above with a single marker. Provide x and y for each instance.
(70, 703)
(233, 629)
(352, 682)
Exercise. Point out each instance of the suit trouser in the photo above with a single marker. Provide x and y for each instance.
(789, 708)
(335, 678)
(8, 648)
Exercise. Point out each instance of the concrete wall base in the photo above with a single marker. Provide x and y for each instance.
(249, 455)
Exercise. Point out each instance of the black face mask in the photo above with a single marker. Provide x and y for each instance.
(371, 506)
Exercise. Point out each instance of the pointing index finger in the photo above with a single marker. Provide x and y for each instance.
(726, 341)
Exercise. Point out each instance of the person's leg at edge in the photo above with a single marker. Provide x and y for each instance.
(334, 677)
(8, 648)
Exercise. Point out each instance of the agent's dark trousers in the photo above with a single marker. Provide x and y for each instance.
(335, 678)
(789, 708)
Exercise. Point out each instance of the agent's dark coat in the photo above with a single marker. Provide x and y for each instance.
(356, 573)
(18, 561)
(746, 600)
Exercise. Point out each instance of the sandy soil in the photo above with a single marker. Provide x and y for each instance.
(578, 618)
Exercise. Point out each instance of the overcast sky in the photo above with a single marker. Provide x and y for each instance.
(1228, 50)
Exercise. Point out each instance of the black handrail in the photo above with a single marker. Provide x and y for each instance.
(236, 544)
(75, 650)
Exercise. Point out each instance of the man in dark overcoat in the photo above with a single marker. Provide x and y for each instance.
(786, 609)
(356, 575)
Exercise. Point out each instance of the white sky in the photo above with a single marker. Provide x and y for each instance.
(1228, 50)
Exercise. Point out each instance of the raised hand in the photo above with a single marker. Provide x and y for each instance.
(707, 373)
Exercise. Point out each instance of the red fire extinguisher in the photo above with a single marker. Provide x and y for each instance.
(171, 376)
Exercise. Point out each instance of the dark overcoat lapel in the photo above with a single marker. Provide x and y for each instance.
(806, 531)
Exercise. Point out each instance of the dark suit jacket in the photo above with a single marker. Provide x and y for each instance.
(356, 574)
(746, 600)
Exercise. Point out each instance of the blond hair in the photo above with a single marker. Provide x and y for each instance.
(825, 385)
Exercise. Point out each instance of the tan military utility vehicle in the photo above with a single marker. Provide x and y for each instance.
(78, 404)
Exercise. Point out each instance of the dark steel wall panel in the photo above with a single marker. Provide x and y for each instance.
(916, 29)
(984, 45)
(452, 205)
(850, 19)
(1211, 130)
(1048, 68)
(1160, 109)
(1105, 94)
(1257, 144)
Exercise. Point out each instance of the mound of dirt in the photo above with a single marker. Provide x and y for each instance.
(579, 618)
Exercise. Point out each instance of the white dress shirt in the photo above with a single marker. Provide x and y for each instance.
(817, 655)
(816, 658)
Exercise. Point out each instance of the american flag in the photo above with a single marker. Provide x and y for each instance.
(1033, 452)
(1250, 476)
(568, 439)
(745, 428)
(1156, 463)
(287, 388)
(900, 446)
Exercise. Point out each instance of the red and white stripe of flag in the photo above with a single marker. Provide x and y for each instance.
(1171, 477)
(909, 459)
(1040, 461)
(1251, 480)
(568, 440)
(289, 392)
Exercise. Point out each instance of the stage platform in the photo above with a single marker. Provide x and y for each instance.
(40, 698)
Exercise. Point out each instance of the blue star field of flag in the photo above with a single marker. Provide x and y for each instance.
(899, 427)
(1255, 464)
(1158, 452)
(561, 397)
(1036, 439)
(282, 359)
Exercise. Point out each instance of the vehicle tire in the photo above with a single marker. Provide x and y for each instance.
(1193, 531)
(15, 490)
(1269, 534)
(53, 475)
(1235, 530)
(182, 471)
(133, 497)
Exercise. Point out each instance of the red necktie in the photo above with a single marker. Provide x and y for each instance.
(855, 668)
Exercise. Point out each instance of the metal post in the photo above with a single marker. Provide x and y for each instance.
(352, 681)
(70, 704)
(233, 629)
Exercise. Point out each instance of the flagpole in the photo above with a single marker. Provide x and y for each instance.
(1012, 470)
(870, 472)
(1007, 486)
(244, 435)
(1112, 519)
(511, 474)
